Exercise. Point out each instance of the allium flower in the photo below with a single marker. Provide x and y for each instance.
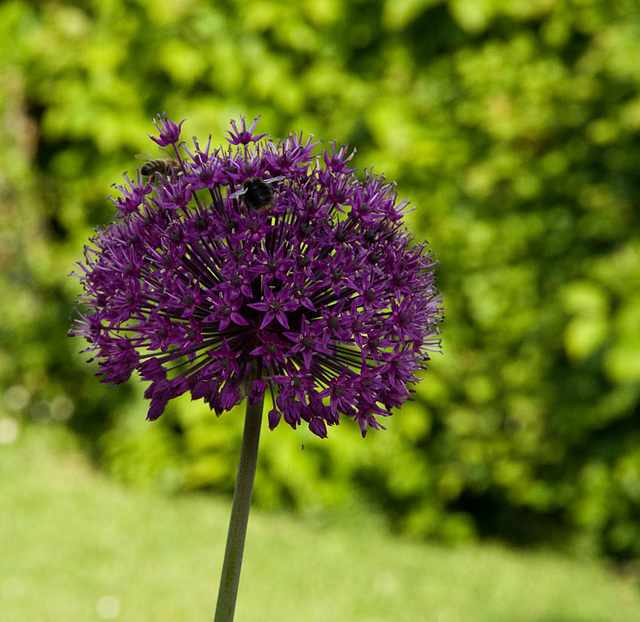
(260, 268)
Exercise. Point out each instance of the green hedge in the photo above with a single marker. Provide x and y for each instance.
(515, 130)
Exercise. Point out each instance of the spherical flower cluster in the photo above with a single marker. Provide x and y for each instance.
(261, 268)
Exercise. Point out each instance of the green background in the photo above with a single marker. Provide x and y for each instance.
(513, 127)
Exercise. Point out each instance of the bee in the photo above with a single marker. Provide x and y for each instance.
(257, 193)
(159, 167)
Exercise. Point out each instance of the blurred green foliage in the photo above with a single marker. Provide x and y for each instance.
(514, 128)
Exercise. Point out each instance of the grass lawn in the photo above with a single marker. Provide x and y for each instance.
(76, 547)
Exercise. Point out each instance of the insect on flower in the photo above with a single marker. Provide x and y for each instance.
(159, 167)
(257, 193)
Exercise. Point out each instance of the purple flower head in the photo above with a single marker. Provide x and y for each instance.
(260, 269)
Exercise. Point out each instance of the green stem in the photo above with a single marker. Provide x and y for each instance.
(239, 515)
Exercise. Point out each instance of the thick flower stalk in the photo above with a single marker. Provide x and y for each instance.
(261, 268)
